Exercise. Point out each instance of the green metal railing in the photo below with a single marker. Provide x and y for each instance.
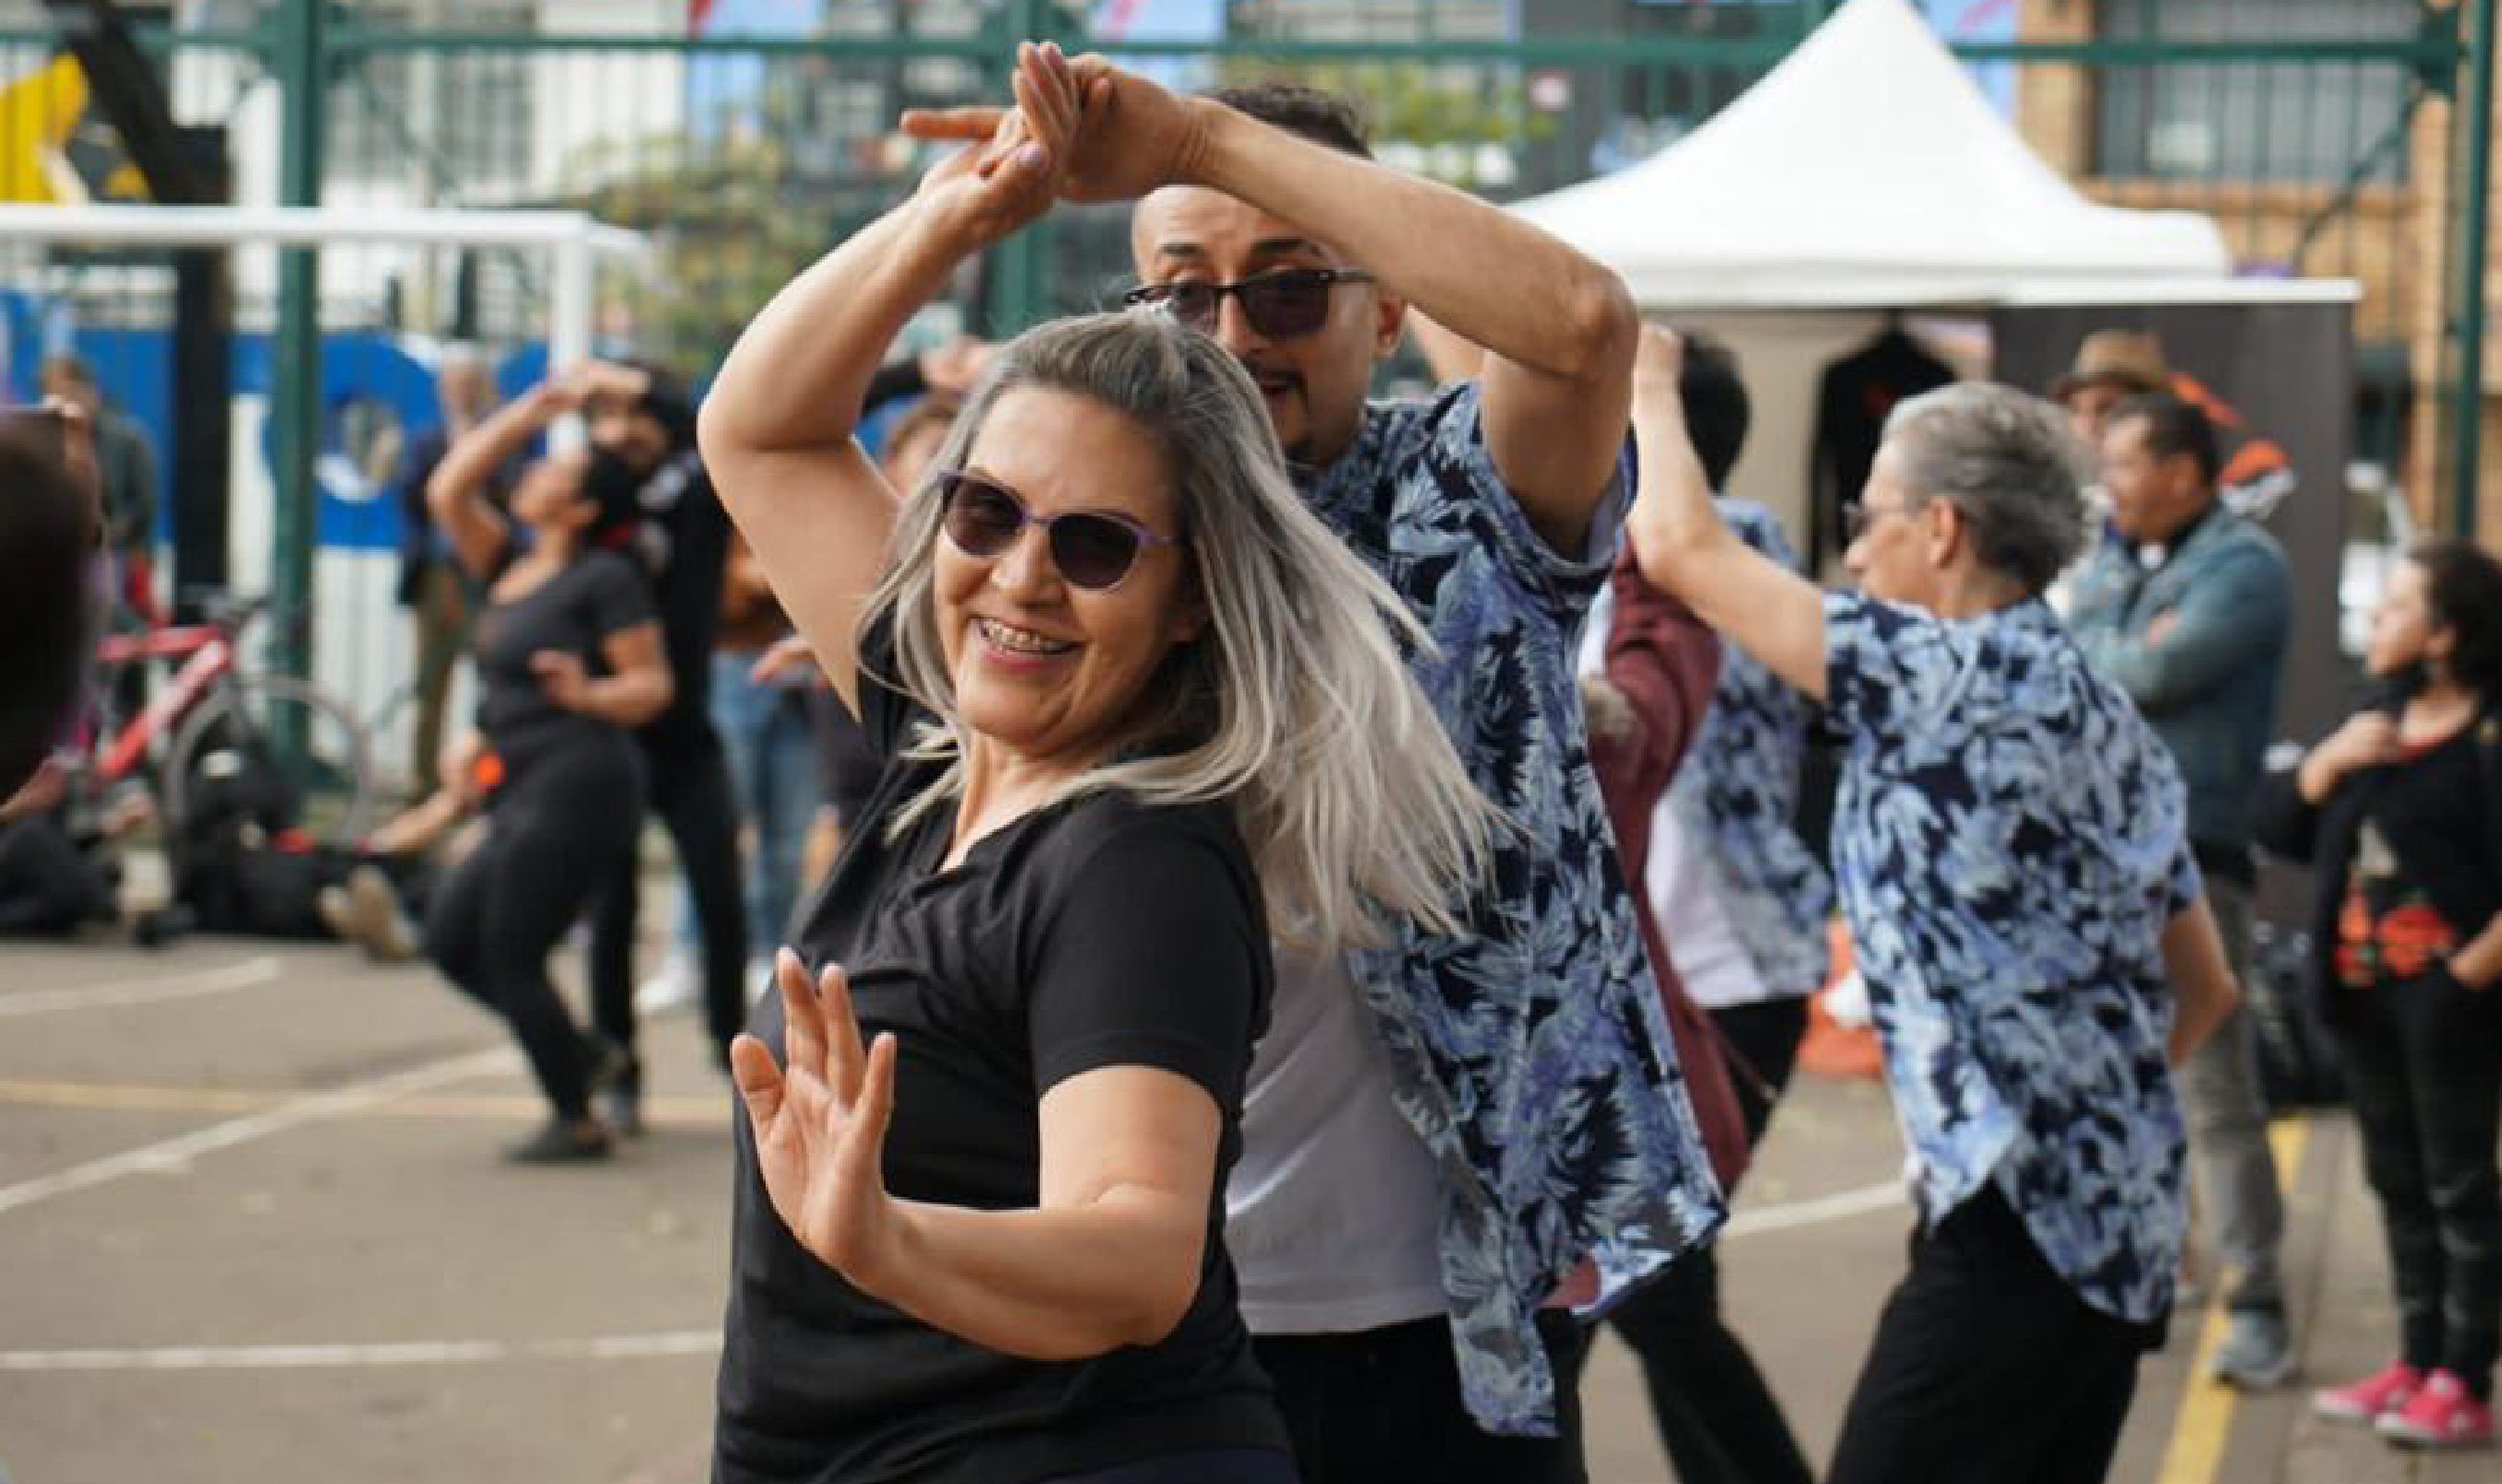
(2310, 169)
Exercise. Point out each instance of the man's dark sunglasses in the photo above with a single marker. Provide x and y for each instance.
(1280, 305)
(1092, 549)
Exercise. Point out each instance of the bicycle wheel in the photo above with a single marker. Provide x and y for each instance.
(288, 755)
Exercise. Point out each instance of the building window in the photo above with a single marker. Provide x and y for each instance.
(2293, 122)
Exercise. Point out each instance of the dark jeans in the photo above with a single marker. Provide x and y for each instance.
(553, 832)
(1763, 1042)
(1718, 1418)
(1212, 1465)
(2424, 1072)
(1384, 1405)
(691, 792)
(1988, 1369)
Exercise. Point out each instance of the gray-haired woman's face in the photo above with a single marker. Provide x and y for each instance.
(1889, 558)
(1048, 669)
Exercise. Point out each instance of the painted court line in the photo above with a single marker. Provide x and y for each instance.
(2203, 1425)
(689, 1112)
(171, 1155)
(141, 992)
(425, 1352)
(1840, 1205)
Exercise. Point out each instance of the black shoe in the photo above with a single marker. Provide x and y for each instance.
(561, 1141)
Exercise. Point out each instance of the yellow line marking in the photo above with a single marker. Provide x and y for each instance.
(95, 1097)
(2203, 1425)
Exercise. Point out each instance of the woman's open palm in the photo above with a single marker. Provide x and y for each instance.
(820, 1123)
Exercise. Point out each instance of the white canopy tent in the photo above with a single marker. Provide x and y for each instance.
(1864, 175)
(1869, 171)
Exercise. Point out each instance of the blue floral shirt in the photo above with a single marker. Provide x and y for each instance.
(1738, 792)
(2011, 839)
(1529, 1053)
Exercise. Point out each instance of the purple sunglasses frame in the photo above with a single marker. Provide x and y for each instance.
(950, 482)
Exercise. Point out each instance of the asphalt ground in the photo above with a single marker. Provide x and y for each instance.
(253, 1228)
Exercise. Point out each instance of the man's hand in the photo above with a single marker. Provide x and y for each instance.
(954, 367)
(1659, 363)
(1130, 136)
(1610, 715)
(594, 381)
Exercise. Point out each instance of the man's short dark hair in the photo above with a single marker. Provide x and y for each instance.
(1716, 409)
(2174, 425)
(1324, 119)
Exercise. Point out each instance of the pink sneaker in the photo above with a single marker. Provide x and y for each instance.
(2442, 1415)
(2375, 1397)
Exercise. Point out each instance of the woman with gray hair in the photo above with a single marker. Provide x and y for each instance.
(2010, 848)
(1126, 690)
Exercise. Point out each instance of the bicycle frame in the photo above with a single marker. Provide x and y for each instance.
(210, 656)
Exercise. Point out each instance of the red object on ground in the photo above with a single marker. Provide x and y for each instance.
(1829, 1049)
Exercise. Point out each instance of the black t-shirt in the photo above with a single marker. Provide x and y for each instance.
(592, 597)
(682, 540)
(1098, 932)
(2425, 834)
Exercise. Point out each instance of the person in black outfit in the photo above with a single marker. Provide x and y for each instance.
(1128, 693)
(569, 659)
(48, 607)
(643, 420)
(2400, 812)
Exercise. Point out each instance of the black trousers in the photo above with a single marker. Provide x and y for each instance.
(1384, 1405)
(49, 887)
(1717, 1416)
(553, 832)
(1214, 1466)
(691, 794)
(1764, 1039)
(1988, 1369)
(2423, 1073)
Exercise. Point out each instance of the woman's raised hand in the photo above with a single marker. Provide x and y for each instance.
(1011, 171)
(820, 1125)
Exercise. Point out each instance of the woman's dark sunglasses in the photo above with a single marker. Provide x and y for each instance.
(1092, 549)
(1280, 305)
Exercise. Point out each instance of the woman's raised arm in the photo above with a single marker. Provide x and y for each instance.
(777, 426)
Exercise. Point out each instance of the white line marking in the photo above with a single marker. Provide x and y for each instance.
(422, 1352)
(140, 992)
(1842, 1205)
(172, 1156)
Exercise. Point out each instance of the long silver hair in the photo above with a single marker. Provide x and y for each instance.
(1294, 701)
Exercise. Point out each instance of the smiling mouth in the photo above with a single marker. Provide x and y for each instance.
(1020, 641)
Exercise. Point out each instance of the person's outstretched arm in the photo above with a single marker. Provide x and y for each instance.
(776, 429)
(1557, 328)
(1682, 546)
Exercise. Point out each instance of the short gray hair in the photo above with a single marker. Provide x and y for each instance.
(1295, 704)
(2008, 464)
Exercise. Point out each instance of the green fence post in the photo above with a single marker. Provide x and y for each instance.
(301, 63)
(1020, 267)
(2471, 300)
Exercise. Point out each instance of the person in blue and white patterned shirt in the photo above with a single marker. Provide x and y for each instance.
(1439, 1133)
(2010, 843)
